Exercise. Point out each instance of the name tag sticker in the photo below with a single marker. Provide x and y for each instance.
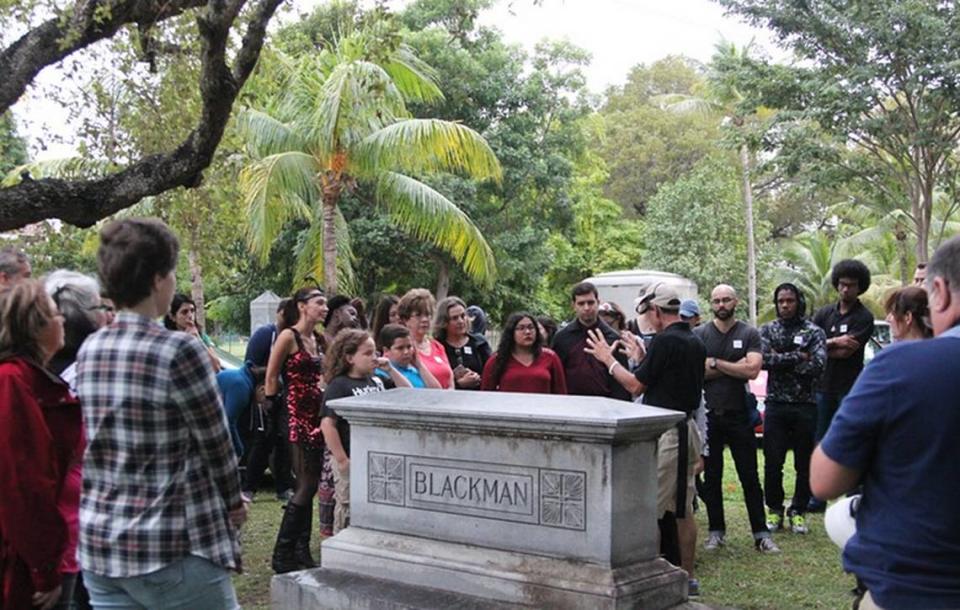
(467, 349)
(737, 344)
(843, 328)
(438, 359)
(798, 340)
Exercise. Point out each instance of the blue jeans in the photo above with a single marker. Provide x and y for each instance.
(191, 582)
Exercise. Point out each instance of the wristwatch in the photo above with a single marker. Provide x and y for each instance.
(713, 363)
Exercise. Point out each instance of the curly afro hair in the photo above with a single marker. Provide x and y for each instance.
(852, 269)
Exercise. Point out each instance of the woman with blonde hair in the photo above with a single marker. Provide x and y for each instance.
(416, 309)
(39, 431)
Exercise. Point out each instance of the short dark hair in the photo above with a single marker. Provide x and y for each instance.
(912, 300)
(583, 288)
(853, 269)
(945, 263)
(132, 253)
(390, 333)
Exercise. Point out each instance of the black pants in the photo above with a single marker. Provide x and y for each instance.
(272, 438)
(732, 429)
(786, 426)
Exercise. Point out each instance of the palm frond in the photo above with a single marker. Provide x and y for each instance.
(66, 168)
(425, 146)
(415, 78)
(358, 98)
(309, 254)
(430, 216)
(276, 189)
(266, 135)
(684, 104)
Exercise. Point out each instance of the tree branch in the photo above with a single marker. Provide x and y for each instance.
(83, 202)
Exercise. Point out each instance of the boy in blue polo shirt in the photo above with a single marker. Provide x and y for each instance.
(398, 348)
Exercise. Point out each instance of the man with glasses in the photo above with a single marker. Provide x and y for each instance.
(734, 356)
(848, 326)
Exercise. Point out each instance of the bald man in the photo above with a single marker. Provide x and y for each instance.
(733, 357)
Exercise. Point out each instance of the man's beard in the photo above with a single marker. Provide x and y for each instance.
(723, 314)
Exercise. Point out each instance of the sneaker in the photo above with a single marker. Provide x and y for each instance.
(714, 541)
(774, 521)
(798, 524)
(766, 545)
(246, 496)
(693, 588)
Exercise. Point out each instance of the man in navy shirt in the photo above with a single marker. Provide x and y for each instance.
(896, 434)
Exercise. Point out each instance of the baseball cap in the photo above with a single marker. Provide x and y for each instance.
(660, 294)
(689, 309)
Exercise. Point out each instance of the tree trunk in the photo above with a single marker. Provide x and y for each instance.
(443, 279)
(330, 197)
(923, 217)
(196, 281)
(751, 244)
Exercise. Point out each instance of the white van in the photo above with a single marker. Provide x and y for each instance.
(623, 287)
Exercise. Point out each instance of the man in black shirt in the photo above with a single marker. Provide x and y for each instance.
(734, 356)
(670, 376)
(848, 326)
(585, 376)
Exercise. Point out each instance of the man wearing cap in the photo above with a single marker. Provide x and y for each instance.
(670, 376)
(690, 312)
(585, 376)
(734, 356)
(794, 353)
(340, 315)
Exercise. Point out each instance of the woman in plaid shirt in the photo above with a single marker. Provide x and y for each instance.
(161, 503)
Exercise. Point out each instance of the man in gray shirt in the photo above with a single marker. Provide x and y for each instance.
(733, 357)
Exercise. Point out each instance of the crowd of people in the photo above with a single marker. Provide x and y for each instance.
(122, 438)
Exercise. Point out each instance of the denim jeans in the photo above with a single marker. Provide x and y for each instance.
(191, 582)
(787, 426)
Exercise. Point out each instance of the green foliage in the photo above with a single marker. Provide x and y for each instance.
(13, 150)
(342, 122)
(695, 227)
(646, 146)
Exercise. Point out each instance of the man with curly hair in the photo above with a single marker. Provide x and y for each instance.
(848, 326)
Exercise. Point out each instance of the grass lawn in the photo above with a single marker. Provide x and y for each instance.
(807, 574)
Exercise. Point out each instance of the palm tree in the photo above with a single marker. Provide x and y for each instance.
(723, 97)
(342, 125)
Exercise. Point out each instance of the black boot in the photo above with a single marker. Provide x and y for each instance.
(284, 551)
(303, 539)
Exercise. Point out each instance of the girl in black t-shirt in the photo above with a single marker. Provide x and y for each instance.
(351, 360)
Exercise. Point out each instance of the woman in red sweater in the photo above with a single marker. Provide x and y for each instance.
(39, 433)
(521, 363)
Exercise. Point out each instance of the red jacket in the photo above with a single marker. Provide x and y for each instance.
(40, 425)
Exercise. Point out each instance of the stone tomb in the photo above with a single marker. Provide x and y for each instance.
(481, 499)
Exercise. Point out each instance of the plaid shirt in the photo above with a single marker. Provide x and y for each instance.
(159, 473)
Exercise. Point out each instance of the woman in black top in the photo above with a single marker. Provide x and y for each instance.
(467, 352)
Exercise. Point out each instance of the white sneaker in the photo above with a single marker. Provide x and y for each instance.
(766, 545)
(714, 541)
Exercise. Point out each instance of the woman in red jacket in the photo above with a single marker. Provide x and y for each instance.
(39, 430)
(521, 363)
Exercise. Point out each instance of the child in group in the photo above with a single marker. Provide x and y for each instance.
(398, 349)
(351, 361)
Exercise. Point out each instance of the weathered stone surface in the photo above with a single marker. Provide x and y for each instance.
(525, 499)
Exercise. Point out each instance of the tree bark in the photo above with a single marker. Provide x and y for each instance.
(751, 243)
(443, 279)
(83, 202)
(196, 280)
(331, 195)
